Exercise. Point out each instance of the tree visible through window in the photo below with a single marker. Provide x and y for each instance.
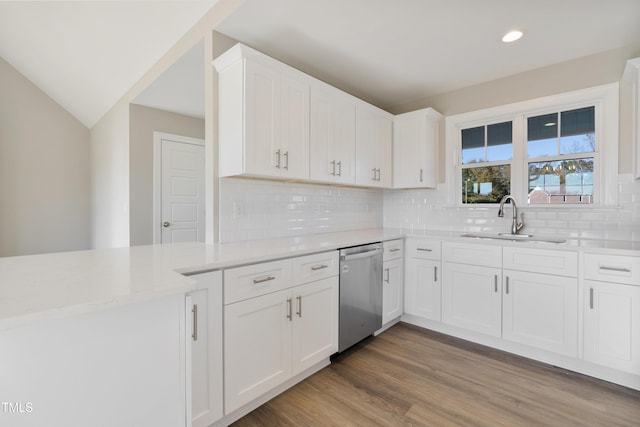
(487, 152)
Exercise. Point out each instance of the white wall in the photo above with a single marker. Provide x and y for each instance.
(110, 179)
(44, 171)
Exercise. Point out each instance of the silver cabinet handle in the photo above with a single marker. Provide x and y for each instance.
(618, 269)
(286, 159)
(263, 279)
(507, 283)
(319, 267)
(435, 273)
(339, 164)
(373, 173)
(194, 310)
(387, 279)
(495, 283)
(299, 312)
(421, 175)
(378, 175)
(333, 168)
(166, 224)
(425, 249)
(278, 159)
(591, 298)
(289, 309)
(394, 249)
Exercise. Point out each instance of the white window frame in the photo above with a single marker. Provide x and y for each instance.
(605, 100)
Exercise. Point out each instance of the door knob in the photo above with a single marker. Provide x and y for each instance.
(166, 224)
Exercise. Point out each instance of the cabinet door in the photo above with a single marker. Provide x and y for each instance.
(315, 322)
(332, 136)
(612, 325)
(373, 147)
(541, 310)
(293, 160)
(415, 154)
(257, 347)
(392, 290)
(422, 294)
(472, 298)
(206, 349)
(262, 120)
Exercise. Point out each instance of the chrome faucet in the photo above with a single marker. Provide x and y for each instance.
(515, 225)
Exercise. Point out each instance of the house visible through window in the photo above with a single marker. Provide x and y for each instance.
(561, 150)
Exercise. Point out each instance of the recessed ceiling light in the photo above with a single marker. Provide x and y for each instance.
(512, 36)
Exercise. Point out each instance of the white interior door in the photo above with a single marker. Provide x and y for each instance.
(182, 192)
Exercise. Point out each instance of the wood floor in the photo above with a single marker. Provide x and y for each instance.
(409, 376)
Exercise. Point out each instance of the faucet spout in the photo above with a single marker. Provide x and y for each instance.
(515, 225)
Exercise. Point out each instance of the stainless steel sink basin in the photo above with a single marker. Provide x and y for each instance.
(513, 237)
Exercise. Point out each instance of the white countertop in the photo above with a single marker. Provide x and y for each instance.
(40, 287)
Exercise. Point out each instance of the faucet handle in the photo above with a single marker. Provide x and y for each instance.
(520, 225)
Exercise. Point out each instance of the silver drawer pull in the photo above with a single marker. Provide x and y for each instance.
(194, 310)
(394, 249)
(263, 279)
(319, 267)
(425, 250)
(618, 269)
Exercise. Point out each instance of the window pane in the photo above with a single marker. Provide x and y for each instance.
(542, 135)
(473, 145)
(486, 184)
(562, 181)
(577, 134)
(499, 138)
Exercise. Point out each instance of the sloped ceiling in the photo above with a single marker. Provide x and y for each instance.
(87, 54)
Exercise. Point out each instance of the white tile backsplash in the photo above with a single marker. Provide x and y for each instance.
(258, 209)
(430, 209)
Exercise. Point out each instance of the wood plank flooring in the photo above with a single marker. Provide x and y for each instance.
(409, 376)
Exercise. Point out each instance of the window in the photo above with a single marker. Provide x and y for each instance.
(486, 162)
(558, 171)
(558, 150)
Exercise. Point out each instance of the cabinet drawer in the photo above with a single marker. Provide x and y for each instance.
(612, 268)
(250, 281)
(467, 253)
(560, 263)
(423, 248)
(393, 249)
(315, 267)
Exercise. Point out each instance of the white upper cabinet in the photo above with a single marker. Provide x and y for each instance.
(632, 75)
(415, 149)
(332, 135)
(263, 116)
(373, 146)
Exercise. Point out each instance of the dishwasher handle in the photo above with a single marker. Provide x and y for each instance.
(361, 255)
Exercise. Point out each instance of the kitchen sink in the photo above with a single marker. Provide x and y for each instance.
(513, 237)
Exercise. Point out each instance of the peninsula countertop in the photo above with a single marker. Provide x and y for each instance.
(40, 287)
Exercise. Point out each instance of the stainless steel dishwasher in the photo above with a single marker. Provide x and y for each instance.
(360, 293)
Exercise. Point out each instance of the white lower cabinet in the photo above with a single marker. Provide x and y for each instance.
(392, 280)
(315, 323)
(270, 338)
(206, 349)
(423, 288)
(472, 297)
(257, 347)
(612, 312)
(423, 284)
(541, 310)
